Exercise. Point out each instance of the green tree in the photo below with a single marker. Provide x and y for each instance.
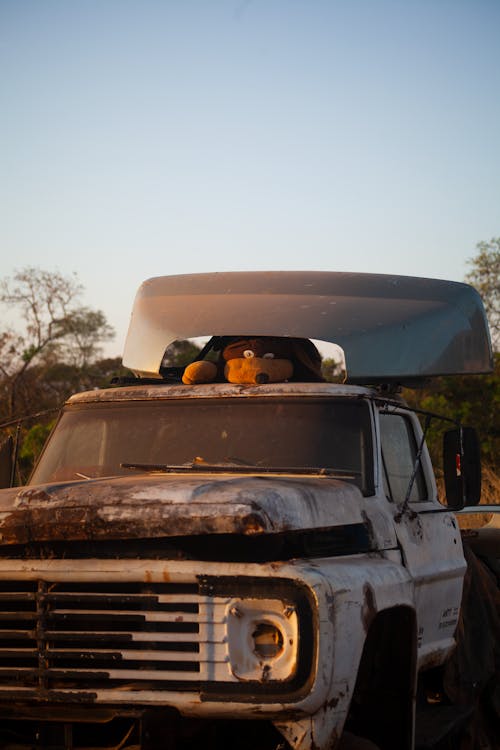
(332, 371)
(485, 277)
(180, 353)
(473, 400)
(45, 388)
(32, 444)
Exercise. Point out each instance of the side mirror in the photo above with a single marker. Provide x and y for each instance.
(6, 462)
(462, 467)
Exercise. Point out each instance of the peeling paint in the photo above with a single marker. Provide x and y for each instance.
(139, 507)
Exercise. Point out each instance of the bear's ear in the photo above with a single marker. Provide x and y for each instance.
(282, 348)
(236, 348)
(202, 371)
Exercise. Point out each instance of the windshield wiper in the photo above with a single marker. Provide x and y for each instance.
(241, 469)
(146, 467)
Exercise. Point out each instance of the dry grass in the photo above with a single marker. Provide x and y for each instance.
(490, 487)
(490, 494)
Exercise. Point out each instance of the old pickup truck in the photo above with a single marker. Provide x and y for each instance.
(253, 566)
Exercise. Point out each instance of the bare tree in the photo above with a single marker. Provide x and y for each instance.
(50, 325)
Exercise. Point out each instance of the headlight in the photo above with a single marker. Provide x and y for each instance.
(268, 640)
(262, 639)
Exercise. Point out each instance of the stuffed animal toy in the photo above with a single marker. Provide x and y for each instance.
(258, 359)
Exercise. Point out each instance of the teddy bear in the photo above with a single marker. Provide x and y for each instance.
(256, 360)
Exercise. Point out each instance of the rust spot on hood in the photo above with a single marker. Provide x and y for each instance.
(253, 524)
(37, 494)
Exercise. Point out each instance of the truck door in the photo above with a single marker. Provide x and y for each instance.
(427, 533)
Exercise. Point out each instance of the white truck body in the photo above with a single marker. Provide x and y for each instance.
(309, 597)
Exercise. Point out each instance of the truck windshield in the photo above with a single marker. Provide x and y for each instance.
(313, 435)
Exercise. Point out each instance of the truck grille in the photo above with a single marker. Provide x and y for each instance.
(89, 637)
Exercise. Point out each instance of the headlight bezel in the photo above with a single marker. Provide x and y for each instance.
(298, 599)
(244, 617)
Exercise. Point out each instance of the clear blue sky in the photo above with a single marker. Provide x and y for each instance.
(149, 137)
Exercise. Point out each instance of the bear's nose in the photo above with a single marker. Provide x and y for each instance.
(261, 378)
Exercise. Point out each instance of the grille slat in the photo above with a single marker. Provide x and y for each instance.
(103, 655)
(128, 637)
(22, 616)
(177, 616)
(88, 675)
(87, 637)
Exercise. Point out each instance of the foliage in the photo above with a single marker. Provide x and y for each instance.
(41, 393)
(332, 370)
(53, 327)
(50, 353)
(32, 444)
(81, 335)
(485, 277)
(34, 440)
(180, 353)
(473, 400)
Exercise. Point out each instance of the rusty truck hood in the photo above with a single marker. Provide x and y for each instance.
(152, 506)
